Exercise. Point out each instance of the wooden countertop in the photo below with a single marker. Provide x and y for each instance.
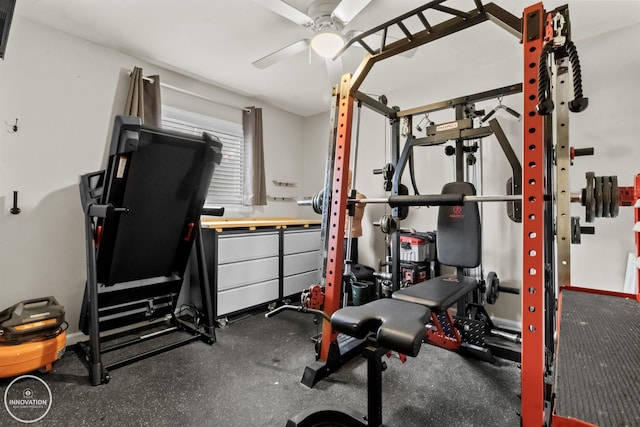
(253, 223)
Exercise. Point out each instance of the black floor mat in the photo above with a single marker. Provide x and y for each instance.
(598, 363)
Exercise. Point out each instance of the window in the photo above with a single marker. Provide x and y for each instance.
(227, 184)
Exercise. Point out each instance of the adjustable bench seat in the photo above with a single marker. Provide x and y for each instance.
(399, 326)
(439, 293)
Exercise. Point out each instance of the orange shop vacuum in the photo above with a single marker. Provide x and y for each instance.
(32, 336)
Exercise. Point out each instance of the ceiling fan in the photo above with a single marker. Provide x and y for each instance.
(327, 18)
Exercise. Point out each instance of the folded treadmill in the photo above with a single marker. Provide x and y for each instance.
(142, 218)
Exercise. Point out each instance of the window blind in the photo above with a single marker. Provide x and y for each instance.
(226, 186)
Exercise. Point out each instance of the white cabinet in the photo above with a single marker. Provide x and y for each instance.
(301, 260)
(251, 267)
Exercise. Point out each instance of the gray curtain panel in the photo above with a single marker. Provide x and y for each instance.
(255, 188)
(143, 98)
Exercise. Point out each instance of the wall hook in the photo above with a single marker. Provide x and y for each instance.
(15, 209)
(13, 127)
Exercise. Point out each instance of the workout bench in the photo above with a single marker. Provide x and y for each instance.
(459, 244)
(388, 325)
(398, 324)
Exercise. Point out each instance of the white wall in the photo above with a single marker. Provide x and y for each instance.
(610, 79)
(64, 92)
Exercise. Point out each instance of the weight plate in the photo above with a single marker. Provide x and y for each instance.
(606, 196)
(589, 199)
(493, 287)
(598, 196)
(615, 197)
(317, 202)
(388, 225)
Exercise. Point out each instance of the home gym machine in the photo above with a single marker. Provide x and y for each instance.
(545, 198)
(142, 218)
(335, 348)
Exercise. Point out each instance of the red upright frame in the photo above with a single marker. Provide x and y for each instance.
(533, 204)
(335, 233)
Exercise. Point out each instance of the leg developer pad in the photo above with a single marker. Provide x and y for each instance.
(398, 325)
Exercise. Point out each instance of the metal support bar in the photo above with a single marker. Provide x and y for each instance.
(469, 99)
(95, 361)
(424, 21)
(504, 19)
(443, 29)
(446, 136)
(563, 91)
(374, 105)
(400, 162)
(155, 351)
(516, 167)
(205, 288)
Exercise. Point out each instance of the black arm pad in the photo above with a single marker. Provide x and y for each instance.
(427, 200)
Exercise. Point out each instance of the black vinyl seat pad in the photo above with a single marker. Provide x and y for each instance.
(398, 325)
(438, 293)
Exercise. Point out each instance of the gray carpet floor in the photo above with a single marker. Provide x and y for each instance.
(251, 377)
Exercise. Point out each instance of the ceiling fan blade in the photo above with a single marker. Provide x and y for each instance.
(286, 10)
(334, 70)
(281, 54)
(348, 9)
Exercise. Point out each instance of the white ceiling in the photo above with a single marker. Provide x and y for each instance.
(217, 40)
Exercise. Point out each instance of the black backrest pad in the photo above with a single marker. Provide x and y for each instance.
(459, 232)
(163, 182)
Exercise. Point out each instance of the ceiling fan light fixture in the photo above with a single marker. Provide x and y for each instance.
(327, 43)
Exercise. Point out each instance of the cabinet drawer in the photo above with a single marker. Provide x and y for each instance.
(248, 272)
(299, 282)
(246, 296)
(301, 241)
(232, 248)
(300, 263)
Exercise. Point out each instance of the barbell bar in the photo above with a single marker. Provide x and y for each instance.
(427, 200)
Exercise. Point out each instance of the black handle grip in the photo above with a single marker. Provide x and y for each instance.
(587, 230)
(579, 103)
(508, 290)
(583, 152)
(427, 200)
(545, 104)
(215, 211)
